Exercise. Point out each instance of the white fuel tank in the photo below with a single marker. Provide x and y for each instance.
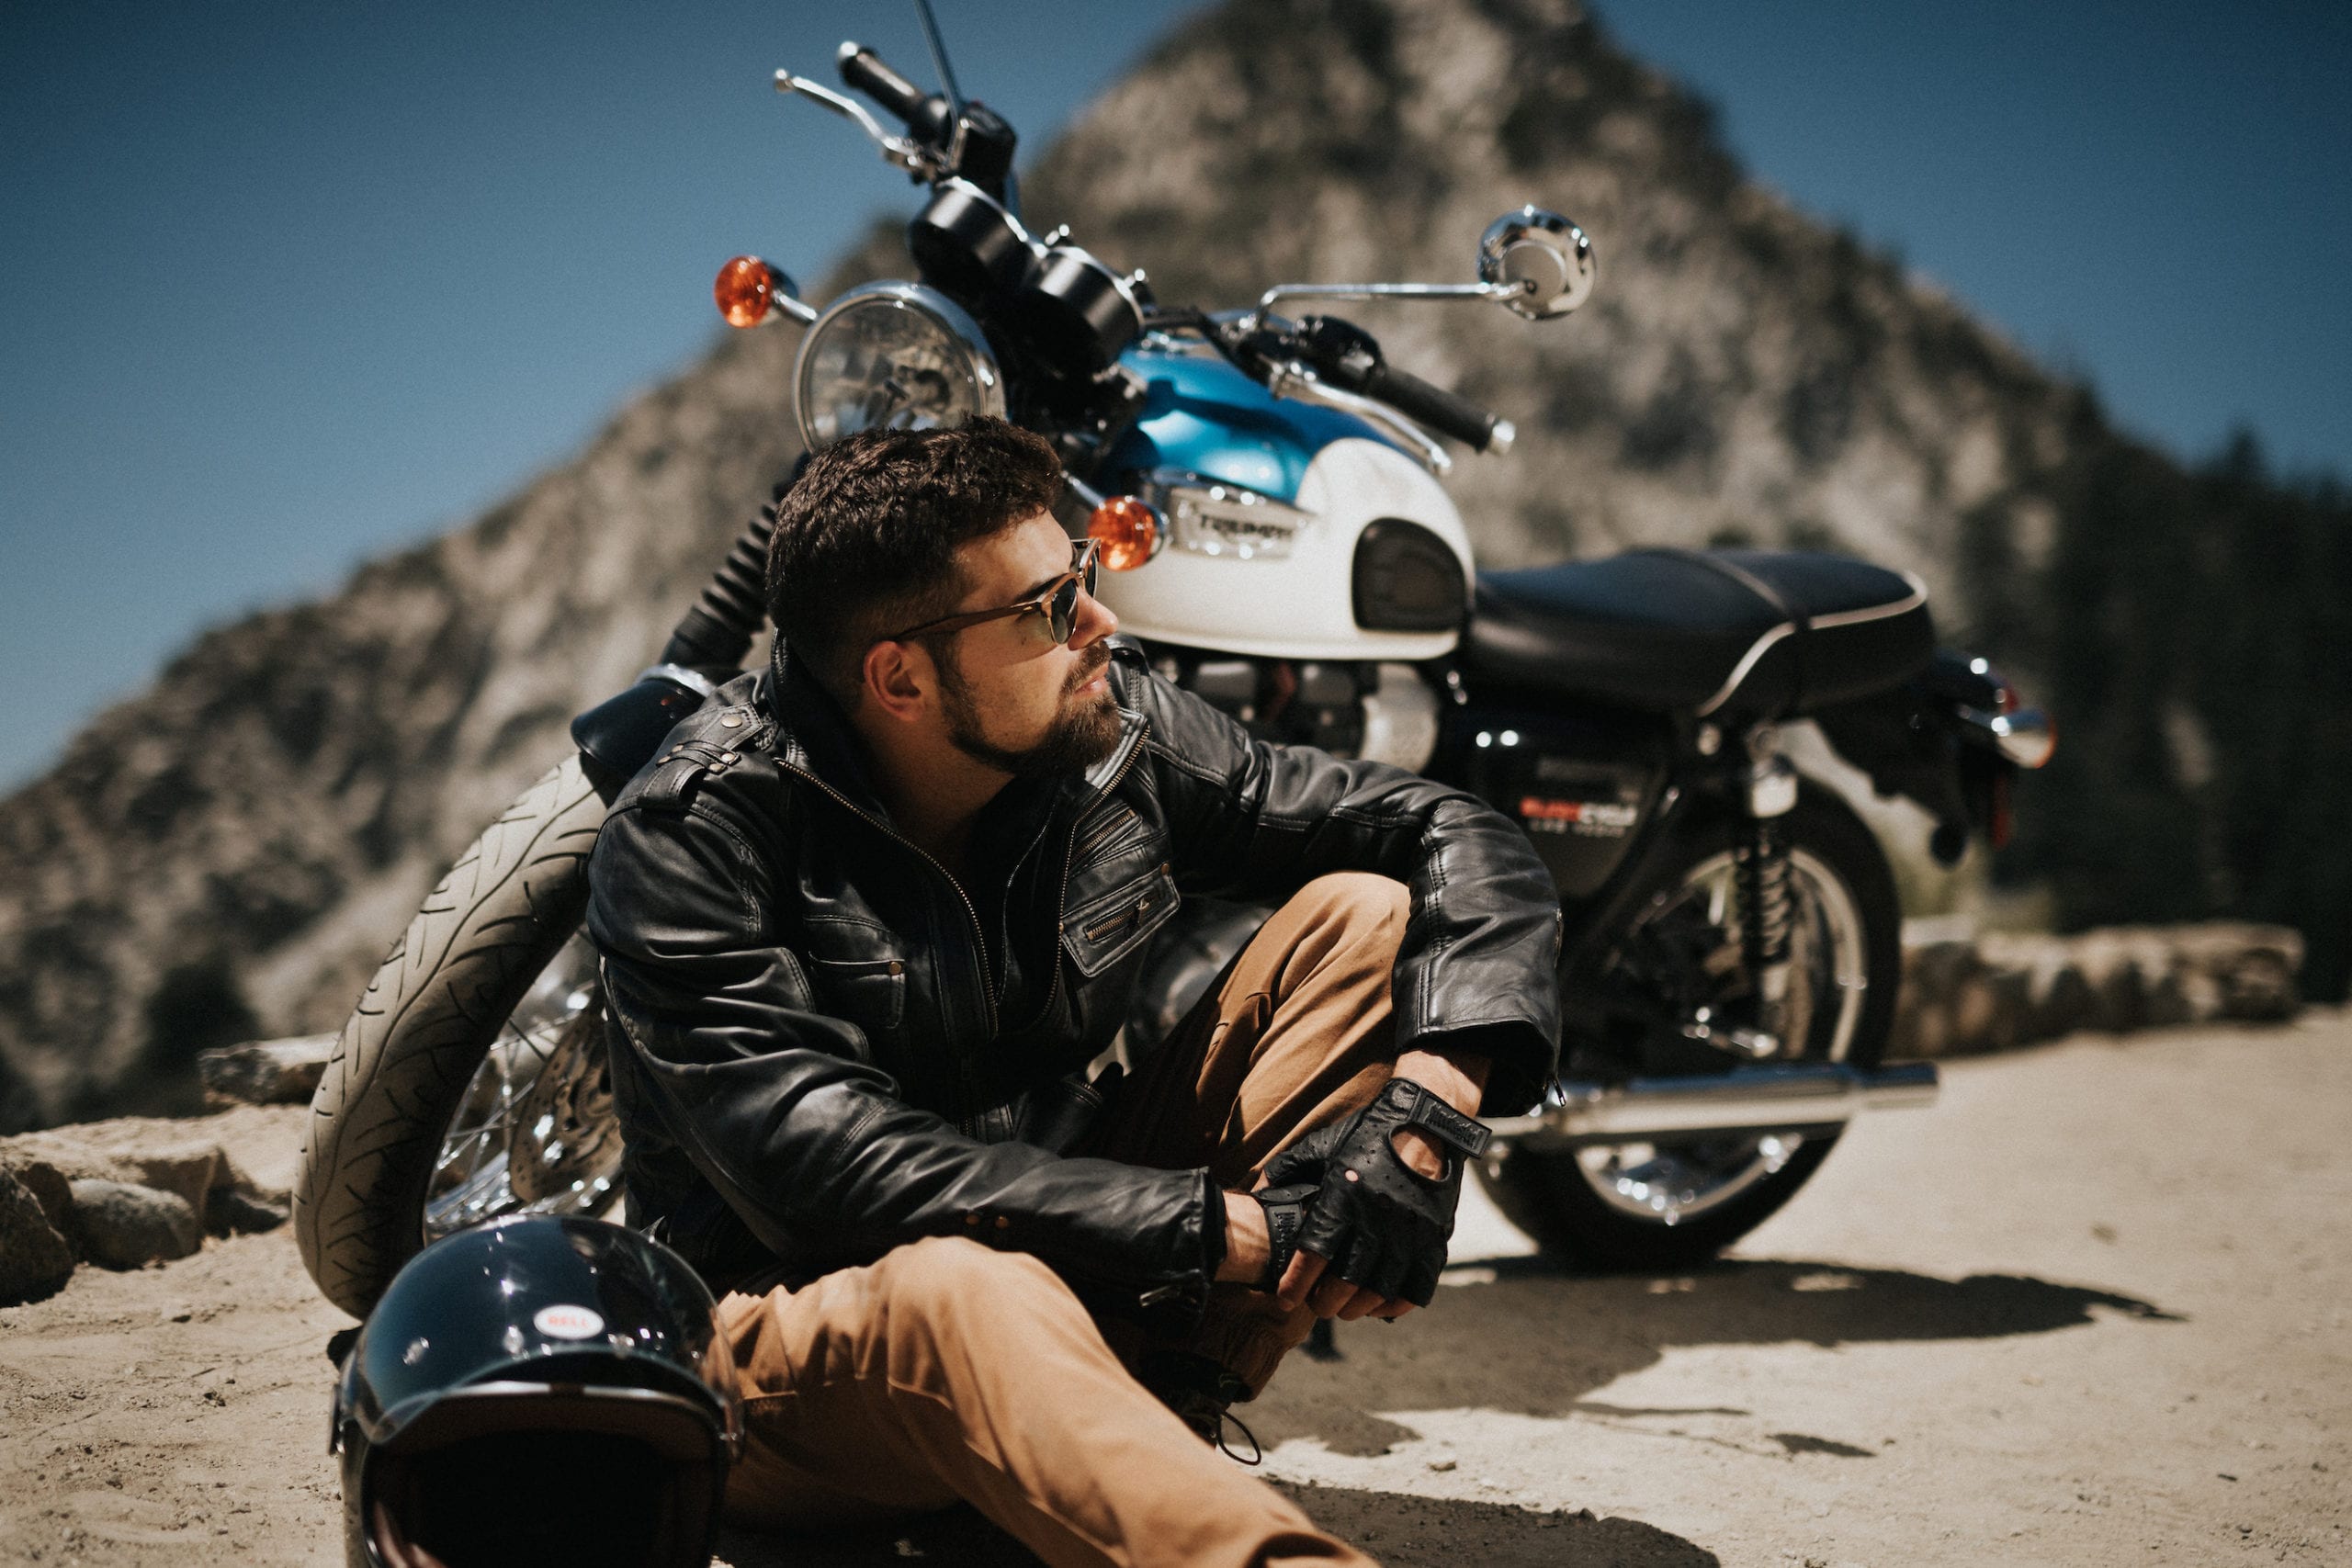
(1251, 573)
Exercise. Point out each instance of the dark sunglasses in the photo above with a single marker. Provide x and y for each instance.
(1058, 604)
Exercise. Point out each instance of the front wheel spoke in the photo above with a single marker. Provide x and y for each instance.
(493, 1134)
(452, 1153)
(486, 1134)
(490, 1143)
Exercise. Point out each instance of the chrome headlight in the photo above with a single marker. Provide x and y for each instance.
(894, 355)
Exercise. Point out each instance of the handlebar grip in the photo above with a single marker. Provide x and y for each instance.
(863, 69)
(1442, 410)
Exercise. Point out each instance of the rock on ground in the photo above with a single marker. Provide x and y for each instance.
(119, 1224)
(43, 1180)
(131, 1191)
(35, 1257)
(138, 1151)
(264, 1072)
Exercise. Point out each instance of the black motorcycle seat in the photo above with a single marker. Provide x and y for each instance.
(1738, 636)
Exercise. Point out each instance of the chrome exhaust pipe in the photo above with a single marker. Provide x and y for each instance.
(1791, 1097)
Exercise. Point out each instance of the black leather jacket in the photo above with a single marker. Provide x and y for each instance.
(810, 1056)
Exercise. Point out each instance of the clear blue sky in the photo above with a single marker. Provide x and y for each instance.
(289, 285)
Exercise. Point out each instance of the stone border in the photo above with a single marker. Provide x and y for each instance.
(2000, 990)
(121, 1194)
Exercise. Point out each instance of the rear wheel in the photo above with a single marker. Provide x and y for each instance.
(1680, 1001)
(472, 1079)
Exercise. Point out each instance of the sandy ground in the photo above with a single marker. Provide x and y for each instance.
(2091, 1310)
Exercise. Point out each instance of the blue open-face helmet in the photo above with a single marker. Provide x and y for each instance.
(538, 1390)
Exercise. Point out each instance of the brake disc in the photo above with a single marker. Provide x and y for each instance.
(563, 1136)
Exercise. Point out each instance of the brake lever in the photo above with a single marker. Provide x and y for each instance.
(908, 153)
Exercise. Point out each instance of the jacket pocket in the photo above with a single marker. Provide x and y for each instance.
(1096, 837)
(868, 992)
(1100, 933)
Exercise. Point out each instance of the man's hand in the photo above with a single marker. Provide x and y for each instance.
(1390, 1235)
(1248, 1248)
(1461, 1084)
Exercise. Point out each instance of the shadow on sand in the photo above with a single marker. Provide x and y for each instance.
(1532, 1340)
(1522, 1337)
(1403, 1532)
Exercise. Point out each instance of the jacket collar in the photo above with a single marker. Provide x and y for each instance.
(812, 733)
(814, 737)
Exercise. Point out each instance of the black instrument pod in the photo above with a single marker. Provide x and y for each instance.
(1080, 313)
(966, 243)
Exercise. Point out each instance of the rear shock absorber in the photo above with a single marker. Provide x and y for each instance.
(1760, 865)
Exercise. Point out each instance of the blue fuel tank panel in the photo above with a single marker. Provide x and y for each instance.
(1202, 415)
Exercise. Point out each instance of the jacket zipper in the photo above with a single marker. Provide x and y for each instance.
(980, 935)
(1126, 917)
(1061, 899)
(1108, 830)
(1004, 908)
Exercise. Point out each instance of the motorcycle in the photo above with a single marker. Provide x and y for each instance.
(1266, 493)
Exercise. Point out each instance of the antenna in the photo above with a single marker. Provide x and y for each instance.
(938, 57)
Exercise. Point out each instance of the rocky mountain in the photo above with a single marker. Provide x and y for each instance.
(1741, 370)
(230, 852)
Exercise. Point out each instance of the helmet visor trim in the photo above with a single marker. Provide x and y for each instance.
(679, 1428)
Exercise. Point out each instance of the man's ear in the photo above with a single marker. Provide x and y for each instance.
(898, 678)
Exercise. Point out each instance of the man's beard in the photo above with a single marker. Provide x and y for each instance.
(1079, 737)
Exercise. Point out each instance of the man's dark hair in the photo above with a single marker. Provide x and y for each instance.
(866, 539)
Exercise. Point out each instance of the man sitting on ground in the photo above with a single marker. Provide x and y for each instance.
(869, 918)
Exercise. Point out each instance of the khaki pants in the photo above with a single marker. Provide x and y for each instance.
(949, 1371)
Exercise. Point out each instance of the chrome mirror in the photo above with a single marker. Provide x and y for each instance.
(1537, 263)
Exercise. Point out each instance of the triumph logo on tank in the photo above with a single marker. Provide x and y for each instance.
(1590, 818)
(1219, 520)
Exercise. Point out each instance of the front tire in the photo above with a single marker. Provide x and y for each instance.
(1649, 1208)
(427, 1041)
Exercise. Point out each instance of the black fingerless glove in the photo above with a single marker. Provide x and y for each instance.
(1285, 1217)
(1383, 1226)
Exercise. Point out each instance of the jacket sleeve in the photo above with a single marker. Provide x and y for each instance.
(1477, 969)
(779, 1107)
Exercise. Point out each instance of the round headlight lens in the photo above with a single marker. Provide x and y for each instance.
(893, 354)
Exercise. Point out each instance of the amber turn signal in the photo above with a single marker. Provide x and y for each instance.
(1128, 532)
(747, 290)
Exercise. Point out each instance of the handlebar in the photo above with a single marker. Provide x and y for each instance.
(863, 69)
(973, 142)
(1345, 355)
(978, 145)
(1447, 413)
